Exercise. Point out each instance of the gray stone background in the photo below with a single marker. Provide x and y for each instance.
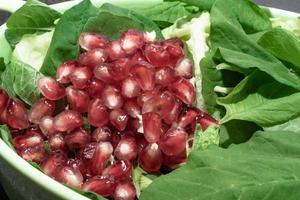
(292, 5)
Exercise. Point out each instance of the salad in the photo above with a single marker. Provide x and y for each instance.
(186, 99)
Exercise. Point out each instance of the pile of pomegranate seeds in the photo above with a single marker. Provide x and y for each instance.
(136, 96)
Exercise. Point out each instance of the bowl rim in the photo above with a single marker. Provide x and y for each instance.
(19, 164)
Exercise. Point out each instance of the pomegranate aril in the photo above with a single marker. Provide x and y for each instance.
(67, 121)
(141, 142)
(144, 74)
(173, 42)
(165, 76)
(205, 120)
(47, 126)
(176, 53)
(183, 90)
(112, 97)
(95, 87)
(57, 141)
(102, 134)
(138, 57)
(157, 55)
(141, 99)
(161, 104)
(77, 99)
(80, 77)
(43, 107)
(28, 140)
(16, 114)
(130, 88)
(101, 72)
(173, 162)
(125, 191)
(89, 41)
(126, 149)
(133, 124)
(132, 40)
(97, 113)
(3, 100)
(119, 170)
(35, 153)
(102, 185)
(69, 176)
(115, 51)
(93, 58)
(173, 142)
(51, 89)
(152, 127)
(77, 139)
(118, 118)
(132, 108)
(79, 165)
(184, 68)
(53, 162)
(188, 117)
(119, 69)
(88, 151)
(101, 155)
(173, 115)
(151, 158)
(64, 71)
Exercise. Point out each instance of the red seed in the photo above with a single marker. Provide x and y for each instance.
(165, 76)
(173, 142)
(141, 99)
(119, 171)
(144, 74)
(3, 100)
(184, 68)
(93, 58)
(53, 162)
(188, 117)
(102, 134)
(173, 162)
(57, 141)
(151, 158)
(115, 51)
(29, 139)
(64, 71)
(157, 55)
(89, 41)
(133, 124)
(112, 97)
(47, 126)
(70, 176)
(80, 77)
(125, 191)
(101, 185)
(130, 88)
(36, 153)
(51, 89)
(173, 115)
(101, 72)
(174, 42)
(141, 142)
(77, 99)
(102, 154)
(97, 113)
(78, 164)
(131, 41)
(183, 90)
(67, 121)
(161, 104)
(118, 118)
(175, 51)
(77, 139)
(205, 120)
(152, 127)
(138, 57)
(88, 151)
(16, 114)
(119, 69)
(95, 87)
(126, 149)
(132, 108)
(43, 107)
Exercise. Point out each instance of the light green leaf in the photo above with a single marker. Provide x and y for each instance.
(203, 139)
(291, 125)
(6, 136)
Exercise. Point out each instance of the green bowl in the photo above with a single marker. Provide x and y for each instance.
(20, 180)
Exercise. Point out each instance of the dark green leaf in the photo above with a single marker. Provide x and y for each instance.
(33, 17)
(266, 168)
(202, 4)
(5, 136)
(47, 146)
(35, 165)
(64, 42)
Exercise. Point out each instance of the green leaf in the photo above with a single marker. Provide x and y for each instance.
(260, 99)
(31, 18)
(291, 125)
(6, 136)
(47, 146)
(6, 80)
(25, 81)
(64, 45)
(35, 165)
(202, 4)
(266, 168)
(90, 195)
(120, 19)
(282, 44)
(203, 139)
(292, 25)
